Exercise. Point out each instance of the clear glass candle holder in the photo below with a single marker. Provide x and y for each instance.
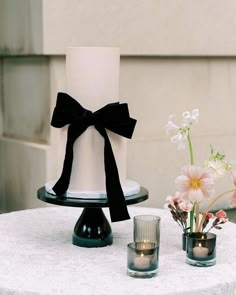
(184, 241)
(201, 249)
(142, 260)
(147, 229)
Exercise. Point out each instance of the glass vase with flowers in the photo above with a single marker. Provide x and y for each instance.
(195, 184)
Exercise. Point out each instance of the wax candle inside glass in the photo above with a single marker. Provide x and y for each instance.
(141, 262)
(142, 259)
(144, 245)
(201, 249)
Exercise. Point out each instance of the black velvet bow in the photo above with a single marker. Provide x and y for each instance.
(113, 116)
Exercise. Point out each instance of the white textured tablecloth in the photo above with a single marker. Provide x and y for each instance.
(37, 257)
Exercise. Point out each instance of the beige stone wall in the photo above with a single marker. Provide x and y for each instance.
(1, 93)
(25, 98)
(150, 27)
(176, 56)
(159, 86)
(21, 27)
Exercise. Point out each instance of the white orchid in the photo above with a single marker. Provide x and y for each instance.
(180, 138)
(217, 164)
(181, 131)
(190, 117)
(171, 126)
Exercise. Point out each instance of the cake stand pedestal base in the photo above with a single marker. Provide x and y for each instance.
(92, 229)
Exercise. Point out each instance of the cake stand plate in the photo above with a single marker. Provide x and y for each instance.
(92, 228)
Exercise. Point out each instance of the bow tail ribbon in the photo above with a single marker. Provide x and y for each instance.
(115, 195)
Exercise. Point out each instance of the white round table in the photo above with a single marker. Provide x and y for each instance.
(37, 257)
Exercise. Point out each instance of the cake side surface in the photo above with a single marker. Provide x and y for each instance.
(93, 80)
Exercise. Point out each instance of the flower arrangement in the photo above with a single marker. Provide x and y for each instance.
(196, 183)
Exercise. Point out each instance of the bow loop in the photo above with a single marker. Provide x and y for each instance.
(113, 116)
(67, 111)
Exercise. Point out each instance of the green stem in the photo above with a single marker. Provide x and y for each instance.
(197, 216)
(192, 219)
(192, 162)
(190, 149)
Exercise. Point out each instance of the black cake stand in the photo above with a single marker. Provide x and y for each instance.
(92, 228)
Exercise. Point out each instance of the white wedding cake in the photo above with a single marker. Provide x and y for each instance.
(92, 76)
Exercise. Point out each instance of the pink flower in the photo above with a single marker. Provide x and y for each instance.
(232, 202)
(175, 199)
(221, 214)
(209, 215)
(195, 183)
(233, 175)
(186, 206)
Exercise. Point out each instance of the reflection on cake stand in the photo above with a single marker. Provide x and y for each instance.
(92, 228)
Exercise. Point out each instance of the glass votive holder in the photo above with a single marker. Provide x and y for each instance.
(147, 229)
(142, 260)
(201, 249)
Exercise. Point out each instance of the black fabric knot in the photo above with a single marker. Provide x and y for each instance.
(113, 116)
(88, 118)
